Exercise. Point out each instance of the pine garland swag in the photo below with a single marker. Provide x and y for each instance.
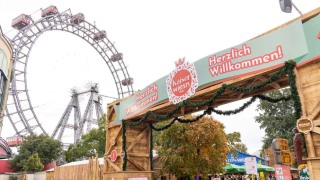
(287, 69)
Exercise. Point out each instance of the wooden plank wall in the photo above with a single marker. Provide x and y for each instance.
(76, 172)
(308, 83)
(113, 142)
(137, 147)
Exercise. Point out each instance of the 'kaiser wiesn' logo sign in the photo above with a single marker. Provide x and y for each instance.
(182, 82)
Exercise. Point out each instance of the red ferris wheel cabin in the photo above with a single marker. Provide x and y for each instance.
(100, 35)
(14, 140)
(77, 19)
(21, 21)
(127, 81)
(51, 10)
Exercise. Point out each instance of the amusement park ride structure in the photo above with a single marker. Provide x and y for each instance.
(79, 122)
(20, 110)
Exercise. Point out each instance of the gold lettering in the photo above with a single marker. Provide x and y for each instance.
(305, 124)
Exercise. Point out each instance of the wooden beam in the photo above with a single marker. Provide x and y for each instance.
(183, 110)
(108, 119)
(113, 125)
(250, 84)
(315, 111)
(111, 110)
(115, 167)
(226, 99)
(316, 122)
(114, 139)
(316, 129)
(274, 85)
(309, 158)
(136, 164)
(137, 139)
(311, 151)
(299, 88)
(240, 96)
(138, 155)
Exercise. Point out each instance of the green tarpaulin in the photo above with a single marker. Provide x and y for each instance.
(232, 168)
(262, 168)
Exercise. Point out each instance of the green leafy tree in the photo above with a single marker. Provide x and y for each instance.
(33, 164)
(47, 149)
(241, 147)
(234, 143)
(233, 140)
(187, 149)
(91, 143)
(277, 119)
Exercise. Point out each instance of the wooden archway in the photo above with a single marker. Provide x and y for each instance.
(135, 161)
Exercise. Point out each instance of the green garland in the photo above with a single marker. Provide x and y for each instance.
(220, 112)
(164, 127)
(151, 148)
(287, 69)
(294, 91)
(248, 103)
(124, 146)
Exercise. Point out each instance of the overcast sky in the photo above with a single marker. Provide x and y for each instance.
(152, 35)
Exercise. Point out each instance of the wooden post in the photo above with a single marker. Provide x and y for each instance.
(308, 84)
(308, 137)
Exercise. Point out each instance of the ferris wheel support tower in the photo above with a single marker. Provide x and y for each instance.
(79, 123)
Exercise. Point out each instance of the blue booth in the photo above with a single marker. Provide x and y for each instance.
(240, 159)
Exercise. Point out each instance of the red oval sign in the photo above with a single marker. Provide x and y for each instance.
(113, 155)
(181, 82)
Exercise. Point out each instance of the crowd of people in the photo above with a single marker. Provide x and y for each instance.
(239, 177)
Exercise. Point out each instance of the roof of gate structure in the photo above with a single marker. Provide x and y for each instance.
(247, 80)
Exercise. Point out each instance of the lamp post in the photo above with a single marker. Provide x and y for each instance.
(286, 6)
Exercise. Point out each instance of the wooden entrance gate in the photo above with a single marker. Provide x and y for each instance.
(131, 137)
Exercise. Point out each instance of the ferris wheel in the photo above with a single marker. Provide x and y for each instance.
(20, 110)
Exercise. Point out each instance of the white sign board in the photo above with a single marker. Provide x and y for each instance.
(251, 165)
(138, 178)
